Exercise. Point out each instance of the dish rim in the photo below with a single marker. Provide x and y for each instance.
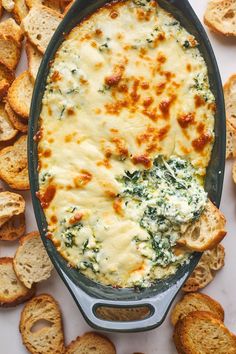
(214, 183)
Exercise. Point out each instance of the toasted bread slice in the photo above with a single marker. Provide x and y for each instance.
(40, 24)
(31, 262)
(200, 332)
(13, 228)
(12, 291)
(207, 231)
(14, 166)
(230, 99)
(6, 78)
(41, 326)
(210, 262)
(10, 30)
(34, 60)
(10, 204)
(196, 302)
(17, 121)
(20, 94)
(91, 343)
(122, 314)
(7, 130)
(230, 140)
(9, 53)
(20, 10)
(8, 5)
(52, 4)
(220, 16)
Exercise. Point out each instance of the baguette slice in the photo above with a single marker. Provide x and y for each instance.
(20, 94)
(220, 16)
(210, 262)
(14, 166)
(10, 30)
(205, 233)
(8, 5)
(200, 332)
(9, 53)
(196, 302)
(230, 99)
(12, 291)
(31, 262)
(10, 204)
(13, 228)
(6, 78)
(91, 343)
(230, 140)
(52, 4)
(7, 130)
(39, 26)
(34, 60)
(17, 121)
(45, 339)
(20, 10)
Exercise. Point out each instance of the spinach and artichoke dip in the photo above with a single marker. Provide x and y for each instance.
(126, 134)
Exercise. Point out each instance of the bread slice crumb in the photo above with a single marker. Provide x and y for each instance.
(41, 326)
(14, 165)
(31, 261)
(39, 26)
(12, 291)
(20, 94)
(196, 302)
(91, 343)
(210, 262)
(200, 332)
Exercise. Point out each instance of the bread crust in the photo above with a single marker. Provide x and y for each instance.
(20, 94)
(15, 175)
(196, 302)
(23, 294)
(215, 23)
(17, 121)
(186, 344)
(32, 267)
(93, 338)
(13, 229)
(210, 262)
(51, 339)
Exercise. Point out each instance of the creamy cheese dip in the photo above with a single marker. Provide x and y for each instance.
(126, 135)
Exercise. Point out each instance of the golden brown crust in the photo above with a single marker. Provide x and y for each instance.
(93, 339)
(200, 332)
(219, 17)
(13, 229)
(8, 296)
(17, 121)
(196, 302)
(20, 10)
(10, 53)
(210, 262)
(205, 233)
(20, 94)
(49, 339)
(14, 165)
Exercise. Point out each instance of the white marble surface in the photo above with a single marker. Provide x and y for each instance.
(158, 341)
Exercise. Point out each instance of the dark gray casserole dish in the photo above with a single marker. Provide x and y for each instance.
(90, 295)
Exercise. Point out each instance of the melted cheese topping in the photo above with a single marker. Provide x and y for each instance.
(127, 85)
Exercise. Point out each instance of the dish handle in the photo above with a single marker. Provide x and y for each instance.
(158, 307)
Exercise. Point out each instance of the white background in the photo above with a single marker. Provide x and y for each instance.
(158, 341)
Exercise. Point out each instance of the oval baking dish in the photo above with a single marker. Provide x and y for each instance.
(88, 294)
